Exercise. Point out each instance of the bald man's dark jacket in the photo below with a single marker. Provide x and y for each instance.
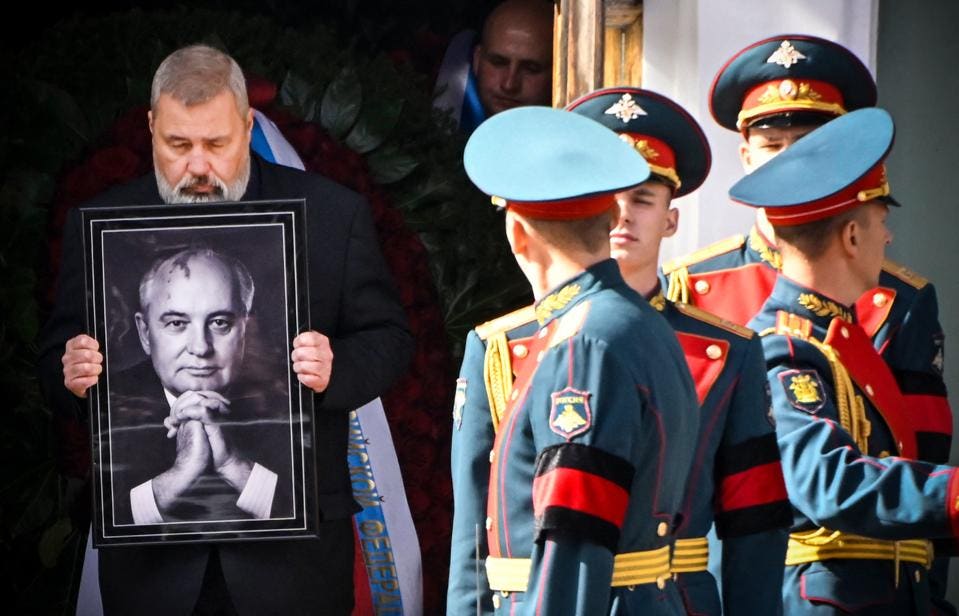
(354, 302)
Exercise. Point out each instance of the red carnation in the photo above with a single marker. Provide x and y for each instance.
(133, 130)
(260, 91)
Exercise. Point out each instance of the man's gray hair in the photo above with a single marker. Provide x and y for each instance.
(195, 74)
(181, 260)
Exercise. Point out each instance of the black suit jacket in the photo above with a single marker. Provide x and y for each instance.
(353, 301)
(139, 449)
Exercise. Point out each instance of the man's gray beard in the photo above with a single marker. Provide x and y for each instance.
(223, 192)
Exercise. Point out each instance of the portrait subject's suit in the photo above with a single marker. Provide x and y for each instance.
(354, 302)
(257, 428)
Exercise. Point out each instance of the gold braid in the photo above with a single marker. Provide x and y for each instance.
(498, 376)
(678, 289)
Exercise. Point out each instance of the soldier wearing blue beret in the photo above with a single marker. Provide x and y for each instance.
(864, 507)
(736, 479)
(774, 92)
(591, 452)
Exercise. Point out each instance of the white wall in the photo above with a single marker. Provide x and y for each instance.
(685, 42)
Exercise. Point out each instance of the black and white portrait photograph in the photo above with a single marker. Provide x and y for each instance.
(200, 430)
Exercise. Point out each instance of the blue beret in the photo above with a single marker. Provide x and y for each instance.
(831, 170)
(547, 163)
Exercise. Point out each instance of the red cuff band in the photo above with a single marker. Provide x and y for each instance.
(580, 491)
(756, 486)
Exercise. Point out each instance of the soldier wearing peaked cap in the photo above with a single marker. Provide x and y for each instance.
(864, 508)
(736, 480)
(590, 456)
(774, 92)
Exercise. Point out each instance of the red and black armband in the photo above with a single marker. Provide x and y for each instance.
(581, 492)
(751, 493)
(929, 413)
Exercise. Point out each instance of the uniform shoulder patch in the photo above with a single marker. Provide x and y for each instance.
(570, 415)
(904, 274)
(506, 322)
(713, 250)
(712, 319)
(803, 389)
(459, 401)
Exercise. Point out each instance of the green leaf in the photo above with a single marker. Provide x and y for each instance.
(53, 540)
(297, 93)
(377, 119)
(389, 165)
(341, 103)
(63, 107)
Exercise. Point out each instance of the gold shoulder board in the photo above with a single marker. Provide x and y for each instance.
(715, 249)
(712, 319)
(506, 322)
(904, 274)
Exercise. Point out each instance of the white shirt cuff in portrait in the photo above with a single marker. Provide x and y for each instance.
(257, 495)
(144, 505)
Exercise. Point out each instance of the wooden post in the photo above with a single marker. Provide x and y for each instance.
(623, 53)
(577, 49)
(596, 43)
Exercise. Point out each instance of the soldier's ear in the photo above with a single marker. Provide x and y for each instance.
(849, 237)
(150, 120)
(143, 331)
(517, 234)
(672, 222)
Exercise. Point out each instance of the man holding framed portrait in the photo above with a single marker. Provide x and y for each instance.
(354, 344)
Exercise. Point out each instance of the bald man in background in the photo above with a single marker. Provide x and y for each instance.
(510, 66)
(513, 61)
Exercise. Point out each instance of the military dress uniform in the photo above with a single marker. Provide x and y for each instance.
(787, 80)
(804, 80)
(733, 278)
(864, 508)
(797, 80)
(736, 479)
(482, 389)
(591, 454)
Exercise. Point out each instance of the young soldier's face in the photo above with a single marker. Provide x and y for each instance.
(763, 144)
(645, 218)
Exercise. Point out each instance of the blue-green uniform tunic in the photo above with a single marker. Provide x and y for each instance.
(736, 479)
(591, 456)
(840, 437)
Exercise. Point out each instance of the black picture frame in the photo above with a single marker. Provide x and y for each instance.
(209, 330)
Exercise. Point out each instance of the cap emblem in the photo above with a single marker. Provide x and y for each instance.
(626, 109)
(785, 55)
(788, 90)
(642, 146)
